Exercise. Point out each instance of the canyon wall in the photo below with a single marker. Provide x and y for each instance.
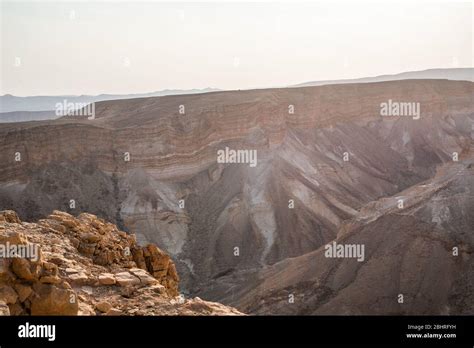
(325, 158)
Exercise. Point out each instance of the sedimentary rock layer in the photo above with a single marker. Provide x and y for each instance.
(323, 153)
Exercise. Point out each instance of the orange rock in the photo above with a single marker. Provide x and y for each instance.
(52, 300)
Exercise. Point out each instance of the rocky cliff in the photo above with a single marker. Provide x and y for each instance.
(325, 156)
(417, 260)
(64, 265)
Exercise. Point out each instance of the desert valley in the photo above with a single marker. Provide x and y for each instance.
(331, 168)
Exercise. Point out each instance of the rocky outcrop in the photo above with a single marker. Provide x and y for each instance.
(64, 265)
(30, 285)
(107, 246)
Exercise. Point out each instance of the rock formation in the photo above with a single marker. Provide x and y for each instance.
(86, 266)
(422, 251)
(326, 158)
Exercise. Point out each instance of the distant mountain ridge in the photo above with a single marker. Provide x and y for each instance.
(36, 108)
(25, 116)
(11, 103)
(459, 74)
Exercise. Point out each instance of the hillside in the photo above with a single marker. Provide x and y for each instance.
(325, 157)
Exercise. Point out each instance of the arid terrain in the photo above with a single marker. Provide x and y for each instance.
(86, 266)
(330, 169)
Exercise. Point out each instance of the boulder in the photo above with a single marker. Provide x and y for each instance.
(23, 291)
(7, 294)
(144, 276)
(49, 299)
(26, 270)
(65, 219)
(107, 279)
(103, 306)
(78, 278)
(126, 279)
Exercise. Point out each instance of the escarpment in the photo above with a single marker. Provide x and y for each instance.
(325, 156)
(175, 145)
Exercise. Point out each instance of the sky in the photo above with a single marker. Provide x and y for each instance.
(120, 47)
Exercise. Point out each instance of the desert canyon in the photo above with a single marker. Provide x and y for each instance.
(248, 239)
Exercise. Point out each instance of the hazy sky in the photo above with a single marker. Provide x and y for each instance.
(50, 48)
